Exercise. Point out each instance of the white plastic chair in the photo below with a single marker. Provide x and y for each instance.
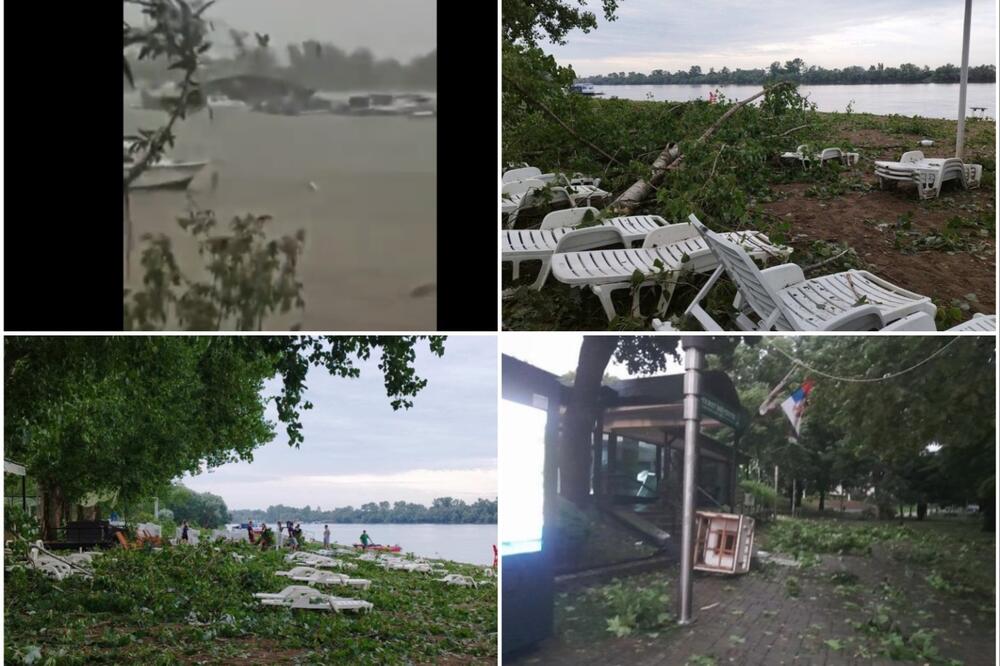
(519, 245)
(782, 299)
(521, 173)
(981, 323)
(457, 579)
(677, 248)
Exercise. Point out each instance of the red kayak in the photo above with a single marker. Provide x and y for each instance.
(383, 549)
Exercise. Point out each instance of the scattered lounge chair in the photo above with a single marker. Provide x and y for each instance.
(928, 174)
(311, 575)
(980, 323)
(302, 596)
(782, 299)
(521, 173)
(458, 579)
(419, 567)
(558, 235)
(803, 156)
(676, 247)
(532, 193)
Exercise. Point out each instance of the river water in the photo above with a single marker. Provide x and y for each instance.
(363, 188)
(932, 100)
(472, 544)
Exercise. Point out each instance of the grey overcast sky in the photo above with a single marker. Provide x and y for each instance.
(400, 29)
(357, 449)
(674, 34)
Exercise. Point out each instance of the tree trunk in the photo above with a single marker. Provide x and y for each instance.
(671, 158)
(921, 510)
(581, 414)
(822, 499)
(51, 513)
(986, 507)
(642, 189)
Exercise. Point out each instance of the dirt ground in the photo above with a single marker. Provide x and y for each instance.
(865, 221)
(754, 619)
(869, 219)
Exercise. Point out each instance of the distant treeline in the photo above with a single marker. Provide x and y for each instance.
(442, 510)
(321, 66)
(796, 70)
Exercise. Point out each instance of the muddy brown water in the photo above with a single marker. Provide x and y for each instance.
(369, 215)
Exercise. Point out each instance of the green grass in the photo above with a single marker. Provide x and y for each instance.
(741, 158)
(194, 605)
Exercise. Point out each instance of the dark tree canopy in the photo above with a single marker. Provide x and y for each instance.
(129, 414)
(527, 21)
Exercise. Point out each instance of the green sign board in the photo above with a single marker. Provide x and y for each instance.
(712, 407)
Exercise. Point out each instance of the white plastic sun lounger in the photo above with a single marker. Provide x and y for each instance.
(301, 596)
(312, 575)
(782, 299)
(558, 235)
(526, 172)
(520, 173)
(802, 156)
(928, 174)
(458, 579)
(419, 567)
(980, 323)
(677, 247)
(527, 194)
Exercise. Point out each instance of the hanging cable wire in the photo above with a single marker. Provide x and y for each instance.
(862, 380)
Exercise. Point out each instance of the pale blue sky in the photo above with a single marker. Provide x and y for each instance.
(357, 449)
(672, 35)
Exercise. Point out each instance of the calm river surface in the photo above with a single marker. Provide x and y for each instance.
(370, 212)
(933, 100)
(472, 544)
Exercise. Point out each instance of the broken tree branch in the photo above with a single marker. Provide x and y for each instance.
(787, 132)
(671, 159)
(641, 189)
(541, 105)
(826, 261)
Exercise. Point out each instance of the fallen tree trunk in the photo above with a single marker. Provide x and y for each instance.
(670, 159)
(630, 199)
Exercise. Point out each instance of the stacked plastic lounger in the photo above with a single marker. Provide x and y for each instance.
(538, 244)
(928, 174)
(607, 271)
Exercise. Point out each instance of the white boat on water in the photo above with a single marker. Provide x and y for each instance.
(223, 102)
(162, 173)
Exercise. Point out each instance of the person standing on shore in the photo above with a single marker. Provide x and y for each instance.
(184, 532)
(365, 539)
(326, 536)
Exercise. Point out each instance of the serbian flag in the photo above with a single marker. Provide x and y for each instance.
(795, 404)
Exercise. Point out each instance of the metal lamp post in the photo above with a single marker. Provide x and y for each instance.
(963, 82)
(694, 360)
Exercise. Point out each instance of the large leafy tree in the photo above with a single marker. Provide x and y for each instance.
(527, 21)
(926, 435)
(126, 415)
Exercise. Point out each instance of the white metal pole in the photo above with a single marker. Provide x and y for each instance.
(963, 82)
(693, 362)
